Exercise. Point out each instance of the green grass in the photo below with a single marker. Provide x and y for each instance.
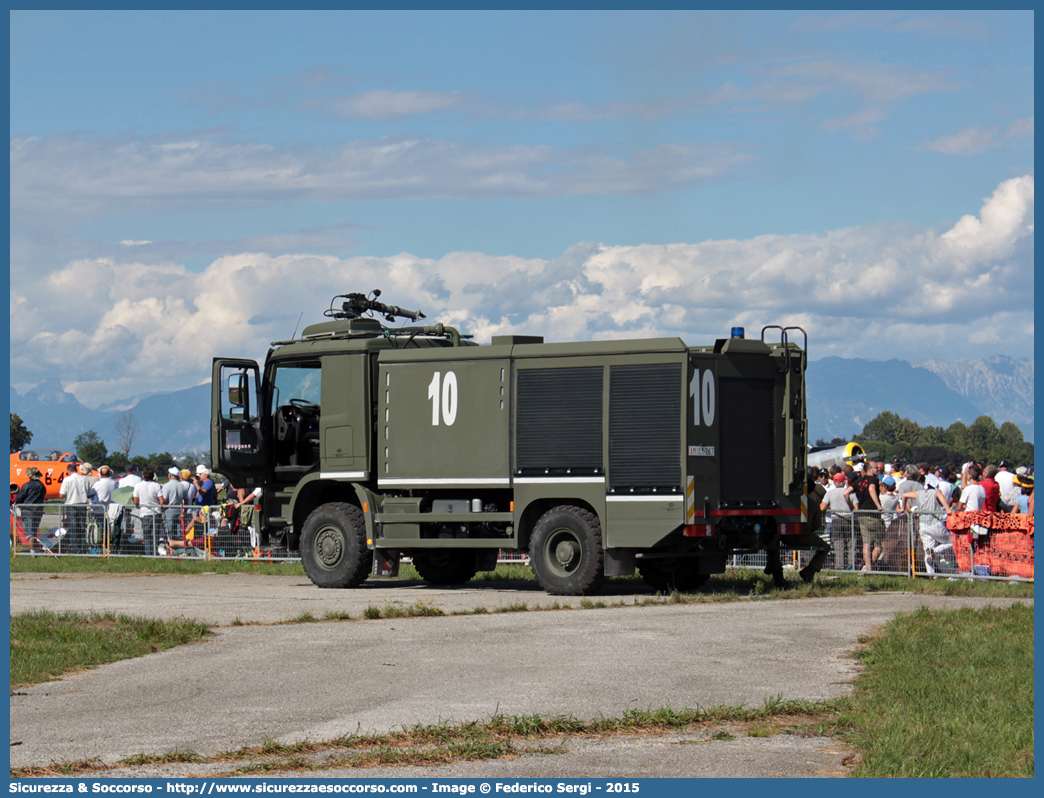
(24, 563)
(336, 615)
(27, 564)
(47, 645)
(419, 609)
(502, 573)
(172, 757)
(518, 606)
(947, 694)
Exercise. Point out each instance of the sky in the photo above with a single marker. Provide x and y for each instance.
(187, 185)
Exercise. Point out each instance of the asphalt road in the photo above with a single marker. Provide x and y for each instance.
(317, 681)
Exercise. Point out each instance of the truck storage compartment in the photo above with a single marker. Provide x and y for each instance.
(645, 436)
(559, 422)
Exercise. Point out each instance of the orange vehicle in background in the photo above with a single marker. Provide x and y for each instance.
(53, 464)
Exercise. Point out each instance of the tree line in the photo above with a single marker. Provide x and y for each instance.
(894, 437)
(90, 447)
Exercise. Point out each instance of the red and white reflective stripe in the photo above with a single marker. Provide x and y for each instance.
(791, 529)
(698, 531)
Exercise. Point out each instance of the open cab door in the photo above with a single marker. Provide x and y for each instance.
(237, 440)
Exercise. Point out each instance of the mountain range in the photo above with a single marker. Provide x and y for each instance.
(843, 395)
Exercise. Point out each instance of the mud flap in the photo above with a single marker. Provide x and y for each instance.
(385, 563)
(486, 559)
(619, 562)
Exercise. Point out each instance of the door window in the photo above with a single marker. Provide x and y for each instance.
(239, 384)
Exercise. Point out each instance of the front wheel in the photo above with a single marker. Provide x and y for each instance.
(566, 552)
(446, 566)
(333, 546)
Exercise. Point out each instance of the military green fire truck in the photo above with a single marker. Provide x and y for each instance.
(372, 443)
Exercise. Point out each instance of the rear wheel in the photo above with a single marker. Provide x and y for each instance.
(566, 552)
(333, 546)
(446, 567)
(670, 574)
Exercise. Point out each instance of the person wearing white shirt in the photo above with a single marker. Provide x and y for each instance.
(838, 506)
(973, 497)
(173, 497)
(148, 498)
(74, 489)
(945, 486)
(130, 479)
(1005, 478)
(102, 490)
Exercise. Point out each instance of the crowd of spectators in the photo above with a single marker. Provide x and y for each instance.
(168, 513)
(868, 510)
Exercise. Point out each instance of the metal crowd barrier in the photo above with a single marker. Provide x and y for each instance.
(871, 541)
(903, 544)
(906, 544)
(99, 530)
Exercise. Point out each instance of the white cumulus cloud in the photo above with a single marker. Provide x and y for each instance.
(870, 291)
(1005, 218)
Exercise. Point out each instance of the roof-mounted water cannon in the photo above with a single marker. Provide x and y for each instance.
(355, 305)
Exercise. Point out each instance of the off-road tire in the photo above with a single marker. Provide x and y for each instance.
(673, 575)
(565, 551)
(446, 566)
(333, 546)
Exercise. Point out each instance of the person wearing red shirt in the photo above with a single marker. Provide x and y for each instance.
(992, 488)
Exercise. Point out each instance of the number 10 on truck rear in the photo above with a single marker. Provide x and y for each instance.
(374, 443)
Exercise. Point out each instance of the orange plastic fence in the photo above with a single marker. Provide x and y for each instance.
(1008, 548)
(957, 522)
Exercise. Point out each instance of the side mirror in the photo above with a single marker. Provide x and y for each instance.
(238, 393)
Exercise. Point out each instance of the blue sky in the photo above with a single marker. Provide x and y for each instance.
(868, 175)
